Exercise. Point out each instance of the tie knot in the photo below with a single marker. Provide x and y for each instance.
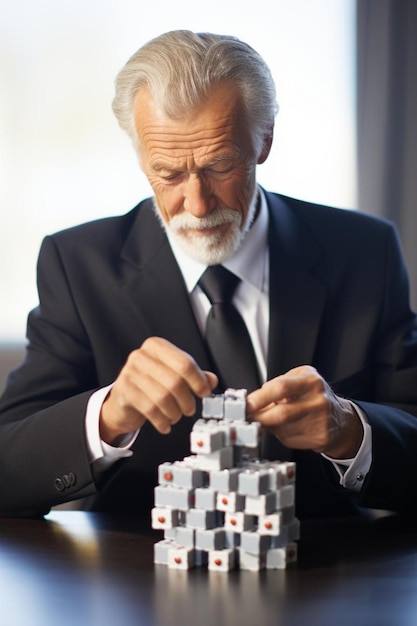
(218, 283)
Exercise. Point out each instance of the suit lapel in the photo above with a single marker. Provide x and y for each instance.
(297, 296)
(296, 302)
(154, 285)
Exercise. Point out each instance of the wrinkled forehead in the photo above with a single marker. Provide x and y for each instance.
(218, 126)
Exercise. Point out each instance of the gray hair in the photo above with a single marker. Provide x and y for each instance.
(181, 67)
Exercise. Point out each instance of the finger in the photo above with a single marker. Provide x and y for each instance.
(303, 423)
(160, 408)
(158, 383)
(132, 402)
(181, 363)
(170, 378)
(212, 380)
(160, 391)
(293, 411)
(285, 388)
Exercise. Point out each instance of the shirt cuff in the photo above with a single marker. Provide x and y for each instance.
(101, 454)
(352, 472)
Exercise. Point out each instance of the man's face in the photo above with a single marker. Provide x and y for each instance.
(202, 171)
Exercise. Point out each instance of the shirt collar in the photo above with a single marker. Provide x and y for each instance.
(249, 262)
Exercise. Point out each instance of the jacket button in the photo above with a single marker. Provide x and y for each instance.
(65, 482)
(59, 485)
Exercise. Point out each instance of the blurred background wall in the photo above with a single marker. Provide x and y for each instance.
(345, 135)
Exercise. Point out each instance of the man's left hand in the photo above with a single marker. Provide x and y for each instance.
(303, 412)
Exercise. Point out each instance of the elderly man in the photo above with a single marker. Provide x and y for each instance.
(120, 350)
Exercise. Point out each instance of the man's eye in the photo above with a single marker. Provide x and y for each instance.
(221, 168)
(171, 177)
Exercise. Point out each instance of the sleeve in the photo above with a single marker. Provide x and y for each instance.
(391, 410)
(102, 455)
(352, 472)
(43, 450)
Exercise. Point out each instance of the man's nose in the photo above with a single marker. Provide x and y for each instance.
(198, 199)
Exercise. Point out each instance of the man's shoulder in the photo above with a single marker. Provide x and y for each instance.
(135, 235)
(111, 225)
(325, 218)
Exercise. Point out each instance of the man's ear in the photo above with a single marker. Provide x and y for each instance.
(266, 147)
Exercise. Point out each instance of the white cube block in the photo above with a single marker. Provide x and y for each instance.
(207, 425)
(163, 495)
(253, 542)
(230, 501)
(270, 524)
(191, 461)
(181, 557)
(174, 497)
(232, 538)
(186, 476)
(185, 536)
(160, 551)
(213, 406)
(221, 459)
(211, 425)
(239, 521)
(210, 539)
(221, 560)
(248, 434)
(235, 405)
(164, 517)
(251, 562)
(171, 533)
(206, 441)
(205, 498)
(276, 558)
(279, 558)
(285, 497)
(199, 518)
(229, 432)
(225, 480)
(261, 505)
(253, 482)
(166, 474)
(288, 472)
(275, 478)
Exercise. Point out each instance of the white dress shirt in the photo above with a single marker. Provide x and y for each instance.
(251, 264)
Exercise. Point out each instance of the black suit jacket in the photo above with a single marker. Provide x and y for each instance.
(338, 299)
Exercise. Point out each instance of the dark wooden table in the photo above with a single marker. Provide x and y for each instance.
(83, 569)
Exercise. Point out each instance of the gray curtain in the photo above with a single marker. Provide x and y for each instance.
(387, 118)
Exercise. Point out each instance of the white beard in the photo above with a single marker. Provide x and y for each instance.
(211, 248)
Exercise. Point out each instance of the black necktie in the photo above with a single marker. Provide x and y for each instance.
(227, 337)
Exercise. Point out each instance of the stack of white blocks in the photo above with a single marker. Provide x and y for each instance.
(221, 508)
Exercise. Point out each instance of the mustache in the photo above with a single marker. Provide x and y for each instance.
(217, 217)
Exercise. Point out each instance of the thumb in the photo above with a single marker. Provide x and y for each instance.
(212, 379)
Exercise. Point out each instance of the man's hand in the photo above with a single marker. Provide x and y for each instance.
(304, 413)
(158, 383)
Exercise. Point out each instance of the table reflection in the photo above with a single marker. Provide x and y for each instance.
(80, 569)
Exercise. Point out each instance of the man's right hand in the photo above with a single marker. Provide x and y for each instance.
(158, 383)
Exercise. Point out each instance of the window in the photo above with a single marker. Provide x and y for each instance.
(63, 159)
